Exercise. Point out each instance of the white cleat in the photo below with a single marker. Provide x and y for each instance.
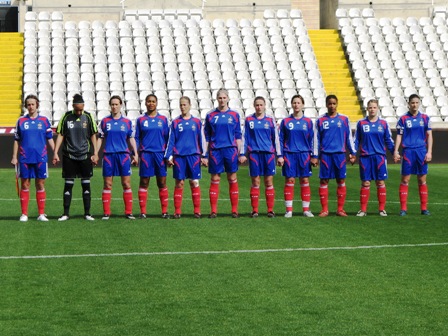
(361, 213)
(42, 218)
(383, 213)
(89, 218)
(308, 213)
(63, 218)
(23, 218)
(288, 214)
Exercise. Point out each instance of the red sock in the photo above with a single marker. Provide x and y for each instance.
(41, 196)
(423, 191)
(305, 193)
(381, 193)
(323, 195)
(234, 194)
(288, 193)
(403, 196)
(196, 196)
(364, 195)
(214, 195)
(24, 200)
(341, 193)
(106, 197)
(254, 197)
(178, 195)
(270, 197)
(142, 199)
(163, 196)
(127, 198)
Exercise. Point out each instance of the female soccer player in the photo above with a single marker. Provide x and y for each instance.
(296, 147)
(333, 139)
(260, 146)
(223, 143)
(29, 155)
(151, 136)
(414, 134)
(184, 154)
(116, 130)
(372, 138)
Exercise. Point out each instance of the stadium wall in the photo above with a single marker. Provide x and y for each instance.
(440, 150)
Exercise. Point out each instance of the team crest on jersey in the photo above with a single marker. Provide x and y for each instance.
(339, 124)
(84, 124)
(122, 128)
(193, 127)
(305, 127)
(159, 124)
(39, 126)
(422, 123)
(266, 125)
(380, 128)
(230, 120)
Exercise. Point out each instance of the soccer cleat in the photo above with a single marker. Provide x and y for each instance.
(165, 216)
(213, 215)
(425, 213)
(254, 214)
(323, 213)
(42, 218)
(89, 218)
(403, 213)
(341, 213)
(361, 213)
(235, 215)
(23, 218)
(130, 216)
(142, 216)
(197, 215)
(308, 213)
(288, 214)
(383, 213)
(271, 214)
(63, 218)
(176, 216)
(105, 217)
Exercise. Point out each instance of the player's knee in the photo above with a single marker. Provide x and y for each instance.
(194, 183)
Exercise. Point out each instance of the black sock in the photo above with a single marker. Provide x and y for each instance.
(86, 198)
(68, 187)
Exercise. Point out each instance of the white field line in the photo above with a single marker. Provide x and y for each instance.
(138, 254)
(206, 199)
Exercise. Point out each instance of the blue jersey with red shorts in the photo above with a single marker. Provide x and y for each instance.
(414, 132)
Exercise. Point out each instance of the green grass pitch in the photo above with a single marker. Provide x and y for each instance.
(262, 276)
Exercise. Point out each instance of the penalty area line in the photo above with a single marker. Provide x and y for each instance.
(299, 249)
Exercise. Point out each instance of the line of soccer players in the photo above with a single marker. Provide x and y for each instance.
(297, 145)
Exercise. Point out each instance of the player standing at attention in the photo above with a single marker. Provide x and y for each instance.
(333, 138)
(296, 146)
(117, 132)
(184, 154)
(414, 134)
(223, 144)
(372, 138)
(76, 134)
(29, 156)
(151, 136)
(260, 146)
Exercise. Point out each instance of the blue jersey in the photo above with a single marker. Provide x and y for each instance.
(151, 133)
(296, 135)
(32, 136)
(116, 132)
(373, 138)
(260, 135)
(185, 137)
(414, 130)
(222, 129)
(333, 135)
